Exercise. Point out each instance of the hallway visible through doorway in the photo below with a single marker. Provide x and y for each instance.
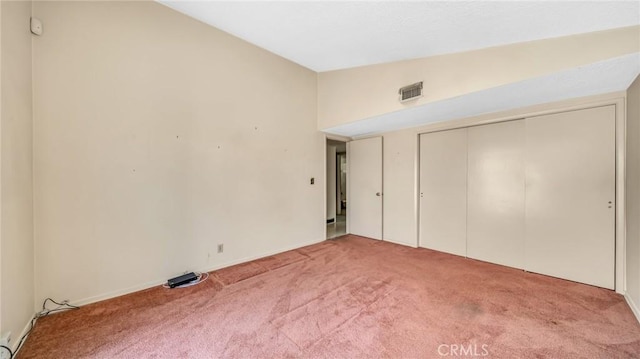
(336, 204)
(337, 228)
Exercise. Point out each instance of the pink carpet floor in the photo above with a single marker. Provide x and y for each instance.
(350, 298)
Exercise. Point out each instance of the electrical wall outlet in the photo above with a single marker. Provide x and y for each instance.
(220, 248)
(5, 339)
(36, 26)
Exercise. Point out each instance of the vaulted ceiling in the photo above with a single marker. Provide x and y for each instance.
(334, 35)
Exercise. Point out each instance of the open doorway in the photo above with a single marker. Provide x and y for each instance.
(336, 188)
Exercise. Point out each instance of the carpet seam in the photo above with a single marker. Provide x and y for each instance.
(348, 319)
(312, 299)
(266, 270)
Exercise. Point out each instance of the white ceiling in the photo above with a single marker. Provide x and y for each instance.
(598, 78)
(330, 35)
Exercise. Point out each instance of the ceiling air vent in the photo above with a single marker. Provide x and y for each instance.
(411, 92)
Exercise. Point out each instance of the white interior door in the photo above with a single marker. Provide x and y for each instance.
(364, 204)
(443, 191)
(570, 189)
(495, 222)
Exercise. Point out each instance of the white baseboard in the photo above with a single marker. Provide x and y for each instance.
(16, 340)
(117, 293)
(147, 285)
(633, 306)
(262, 255)
(400, 243)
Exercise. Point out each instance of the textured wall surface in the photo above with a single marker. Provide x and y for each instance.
(17, 290)
(157, 138)
(633, 194)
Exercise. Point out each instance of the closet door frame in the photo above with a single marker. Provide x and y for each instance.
(616, 99)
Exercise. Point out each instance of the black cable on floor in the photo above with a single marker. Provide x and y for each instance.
(64, 306)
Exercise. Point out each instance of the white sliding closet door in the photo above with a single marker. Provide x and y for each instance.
(570, 195)
(443, 191)
(495, 217)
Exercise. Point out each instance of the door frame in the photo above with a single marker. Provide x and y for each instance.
(339, 197)
(328, 136)
(618, 99)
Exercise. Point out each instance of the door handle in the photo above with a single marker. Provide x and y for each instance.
(378, 194)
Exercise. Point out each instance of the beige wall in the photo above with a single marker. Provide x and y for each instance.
(158, 137)
(1, 168)
(16, 221)
(353, 94)
(633, 195)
